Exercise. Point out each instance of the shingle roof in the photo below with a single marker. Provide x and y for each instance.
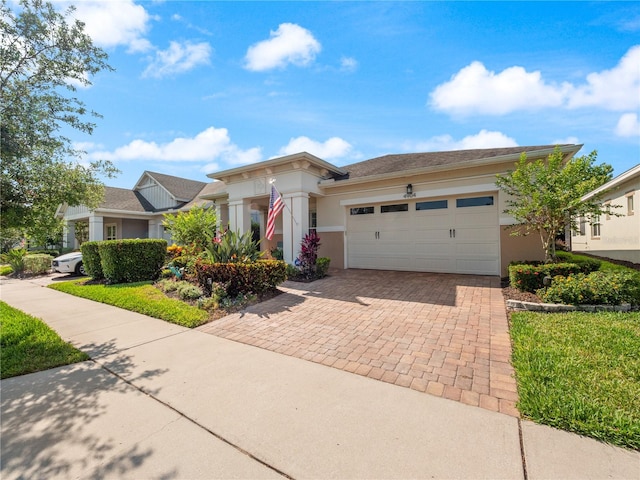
(181, 188)
(123, 199)
(409, 161)
(209, 189)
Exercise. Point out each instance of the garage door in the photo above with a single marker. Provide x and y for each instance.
(453, 235)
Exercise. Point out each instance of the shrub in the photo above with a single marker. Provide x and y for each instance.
(15, 258)
(530, 278)
(232, 247)
(596, 288)
(38, 263)
(128, 261)
(322, 266)
(196, 227)
(5, 270)
(309, 254)
(91, 260)
(241, 278)
(188, 291)
(586, 264)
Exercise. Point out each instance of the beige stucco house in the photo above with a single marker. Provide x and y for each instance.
(434, 212)
(613, 236)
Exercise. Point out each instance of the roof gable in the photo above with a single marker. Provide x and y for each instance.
(181, 189)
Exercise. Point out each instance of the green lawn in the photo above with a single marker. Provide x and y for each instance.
(5, 270)
(138, 297)
(580, 372)
(28, 345)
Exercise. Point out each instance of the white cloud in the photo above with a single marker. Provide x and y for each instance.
(476, 90)
(567, 140)
(111, 24)
(348, 64)
(289, 44)
(482, 139)
(617, 89)
(210, 145)
(628, 125)
(178, 58)
(335, 147)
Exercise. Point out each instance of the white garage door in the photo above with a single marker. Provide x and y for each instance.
(453, 235)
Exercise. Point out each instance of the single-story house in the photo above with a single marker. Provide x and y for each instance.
(432, 212)
(135, 213)
(613, 236)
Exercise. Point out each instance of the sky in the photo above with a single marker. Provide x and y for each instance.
(200, 87)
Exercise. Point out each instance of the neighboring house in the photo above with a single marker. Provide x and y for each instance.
(433, 212)
(135, 213)
(613, 236)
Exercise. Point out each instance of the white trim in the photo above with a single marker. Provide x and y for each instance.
(337, 228)
(507, 221)
(439, 192)
(623, 177)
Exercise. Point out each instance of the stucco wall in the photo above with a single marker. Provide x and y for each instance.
(518, 248)
(332, 246)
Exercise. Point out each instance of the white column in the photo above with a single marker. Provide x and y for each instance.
(96, 230)
(295, 223)
(240, 215)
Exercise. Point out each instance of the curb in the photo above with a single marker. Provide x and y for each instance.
(557, 307)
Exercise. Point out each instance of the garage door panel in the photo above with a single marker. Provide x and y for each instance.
(477, 266)
(477, 250)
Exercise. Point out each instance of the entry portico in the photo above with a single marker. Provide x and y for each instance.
(296, 177)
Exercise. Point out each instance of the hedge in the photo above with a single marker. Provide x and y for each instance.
(241, 278)
(597, 288)
(530, 278)
(128, 261)
(91, 260)
(37, 263)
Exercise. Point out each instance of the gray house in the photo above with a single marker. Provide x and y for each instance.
(135, 213)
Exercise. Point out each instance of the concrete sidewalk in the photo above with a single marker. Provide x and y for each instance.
(162, 401)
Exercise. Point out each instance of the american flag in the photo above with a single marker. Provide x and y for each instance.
(275, 207)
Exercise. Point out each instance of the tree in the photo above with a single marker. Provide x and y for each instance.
(195, 227)
(42, 60)
(545, 195)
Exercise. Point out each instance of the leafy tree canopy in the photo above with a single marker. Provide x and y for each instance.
(44, 56)
(196, 227)
(545, 195)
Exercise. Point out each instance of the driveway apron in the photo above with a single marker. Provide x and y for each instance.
(446, 335)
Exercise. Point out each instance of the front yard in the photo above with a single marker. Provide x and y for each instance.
(580, 372)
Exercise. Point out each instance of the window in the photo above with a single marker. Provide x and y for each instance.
(313, 221)
(400, 207)
(474, 202)
(630, 205)
(607, 206)
(595, 227)
(583, 223)
(432, 205)
(112, 232)
(361, 210)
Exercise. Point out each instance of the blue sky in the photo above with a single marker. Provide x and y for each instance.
(205, 86)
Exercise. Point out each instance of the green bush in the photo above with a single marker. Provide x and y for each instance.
(91, 260)
(586, 264)
(5, 270)
(128, 261)
(15, 258)
(596, 288)
(241, 278)
(38, 263)
(188, 291)
(530, 278)
(322, 266)
(53, 253)
(231, 247)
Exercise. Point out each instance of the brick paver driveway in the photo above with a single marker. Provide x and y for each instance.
(442, 334)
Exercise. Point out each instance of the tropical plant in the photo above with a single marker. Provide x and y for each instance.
(309, 254)
(546, 195)
(15, 258)
(231, 247)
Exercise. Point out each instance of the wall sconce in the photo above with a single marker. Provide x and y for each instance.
(409, 193)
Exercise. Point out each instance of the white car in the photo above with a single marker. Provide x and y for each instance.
(69, 263)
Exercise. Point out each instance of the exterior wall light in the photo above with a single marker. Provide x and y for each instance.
(409, 193)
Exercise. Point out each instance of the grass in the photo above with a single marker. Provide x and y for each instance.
(5, 270)
(28, 345)
(580, 372)
(605, 265)
(139, 297)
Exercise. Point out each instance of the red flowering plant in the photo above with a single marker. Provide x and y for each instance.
(309, 254)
